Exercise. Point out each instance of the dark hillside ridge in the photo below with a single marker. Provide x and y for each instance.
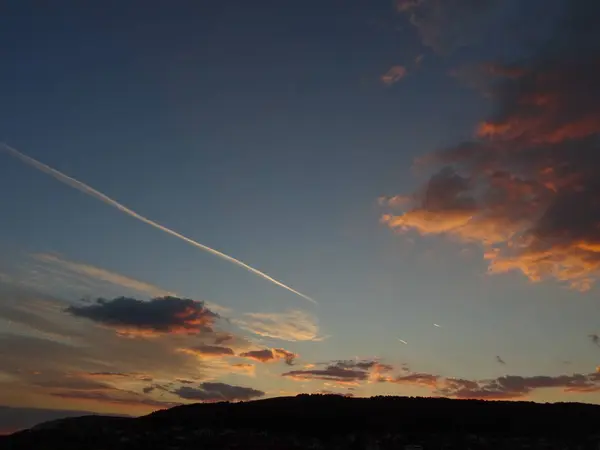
(321, 417)
(317, 414)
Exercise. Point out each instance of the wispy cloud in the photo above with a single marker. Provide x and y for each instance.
(113, 396)
(393, 75)
(80, 186)
(500, 360)
(208, 351)
(288, 326)
(90, 271)
(446, 26)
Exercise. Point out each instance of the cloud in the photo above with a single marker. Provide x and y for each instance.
(342, 372)
(113, 397)
(221, 338)
(271, 355)
(115, 375)
(414, 379)
(210, 350)
(82, 187)
(445, 25)
(157, 316)
(393, 75)
(95, 369)
(217, 392)
(500, 360)
(526, 187)
(90, 271)
(517, 387)
(595, 339)
(244, 369)
(502, 388)
(288, 326)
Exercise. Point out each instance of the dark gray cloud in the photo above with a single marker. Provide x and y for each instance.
(502, 388)
(159, 315)
(215, 392)
(595, 339)
(500, 360)
(221, 338)
(269, 355)
(526, 187)
(341, 371)
(514, 387)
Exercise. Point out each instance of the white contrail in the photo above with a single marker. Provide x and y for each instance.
(109, 201)
(403, 341)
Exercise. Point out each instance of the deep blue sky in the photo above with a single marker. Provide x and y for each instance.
(263, 129)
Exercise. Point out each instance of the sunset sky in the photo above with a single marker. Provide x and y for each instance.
(405, 196)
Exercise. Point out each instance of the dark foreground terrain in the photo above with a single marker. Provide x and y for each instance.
(329, 422)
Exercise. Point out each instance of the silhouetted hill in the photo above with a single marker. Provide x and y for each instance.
(324, 419)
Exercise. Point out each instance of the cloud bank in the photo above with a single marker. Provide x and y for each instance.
(526, 187)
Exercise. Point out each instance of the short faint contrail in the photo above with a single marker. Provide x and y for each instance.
(109, 201)
(403, 341)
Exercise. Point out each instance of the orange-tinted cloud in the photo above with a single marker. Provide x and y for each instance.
(288, 326)
(415, 379)
(244, 368)
(97, 273)
(342, 372)
(114, 376)
(527, 186)
(509, 387)
(393, 75)
(514, 387)
(158, 316)
(217, 392)
(208, 351)
(271, 355)
(113, 397)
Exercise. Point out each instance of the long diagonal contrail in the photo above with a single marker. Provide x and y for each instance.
(80, 186)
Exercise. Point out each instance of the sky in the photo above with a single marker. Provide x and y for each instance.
(232, 200)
